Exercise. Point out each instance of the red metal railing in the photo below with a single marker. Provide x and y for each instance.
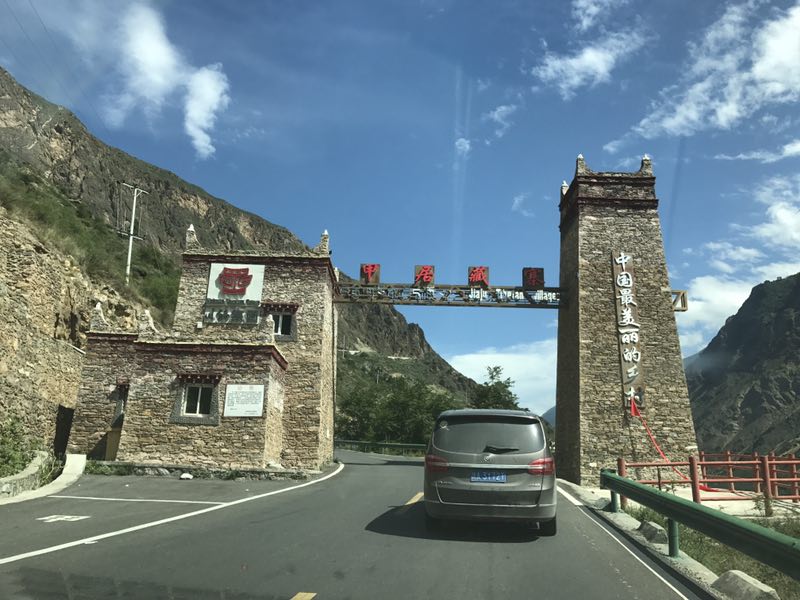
(742, 476)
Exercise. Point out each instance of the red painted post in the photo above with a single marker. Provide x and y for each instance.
(773, 475)
(795, 484)
(622, 471)
(767, 486)
(695, 482)
(757, 472)
(729, 458)
(703, 471)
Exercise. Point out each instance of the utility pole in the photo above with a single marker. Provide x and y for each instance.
(136, 192)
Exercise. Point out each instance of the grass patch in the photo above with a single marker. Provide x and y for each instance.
(95, 246)
(16, 450)
(720, 558)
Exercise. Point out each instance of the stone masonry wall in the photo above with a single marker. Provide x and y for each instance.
(149, 434)
(42, 294)
(618, 212)
(328, 391)
(108, 358)
(309, 377)
(301, 281)
(568, 442)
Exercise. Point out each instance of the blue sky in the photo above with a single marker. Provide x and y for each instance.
(439, 131)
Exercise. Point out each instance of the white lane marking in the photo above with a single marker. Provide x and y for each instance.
(54, 518)
(570, 497)
(103, 536)
(134, 500)
(629, 551)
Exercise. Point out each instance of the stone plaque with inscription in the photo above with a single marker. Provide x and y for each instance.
(244, 400)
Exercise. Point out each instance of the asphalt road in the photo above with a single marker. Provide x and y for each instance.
(357, 534)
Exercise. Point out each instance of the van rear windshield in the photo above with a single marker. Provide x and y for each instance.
(501, 435)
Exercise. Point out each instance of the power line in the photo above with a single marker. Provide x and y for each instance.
(17, 60)
(41, 55)
(84, 96)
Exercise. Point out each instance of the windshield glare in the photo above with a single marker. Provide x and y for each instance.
(498, 435)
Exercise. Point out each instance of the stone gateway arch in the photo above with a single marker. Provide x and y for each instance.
(609, 221)
(246, 376)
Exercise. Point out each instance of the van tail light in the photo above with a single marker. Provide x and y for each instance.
(542, 466)
(435, 464)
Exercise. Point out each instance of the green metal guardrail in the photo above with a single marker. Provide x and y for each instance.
(367, 446)
(772, 548)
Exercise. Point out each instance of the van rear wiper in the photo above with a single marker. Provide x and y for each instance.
(499, 449)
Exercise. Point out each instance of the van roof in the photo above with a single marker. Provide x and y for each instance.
(496, 412)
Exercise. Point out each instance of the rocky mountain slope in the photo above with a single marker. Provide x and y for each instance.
(45, 147)
(744, 386)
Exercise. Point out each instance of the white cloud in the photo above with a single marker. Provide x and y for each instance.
(591, 65)
(781, 230)
(790, 150)
(734, 71)
(712, 299)
(531, 366)
(613, 146)
(207, 95)
(146, 71)
(588, 12)
(151, 66)
(518, 205)
(727, 251)
(463, 147)
(501, 116)
(779, 269)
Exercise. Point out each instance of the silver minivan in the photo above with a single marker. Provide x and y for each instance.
(490, 465)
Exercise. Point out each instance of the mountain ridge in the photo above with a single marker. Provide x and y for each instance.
(744, 385)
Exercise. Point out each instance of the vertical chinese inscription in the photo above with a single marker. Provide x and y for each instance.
(423, 276)
(370, 274)
(628, 329)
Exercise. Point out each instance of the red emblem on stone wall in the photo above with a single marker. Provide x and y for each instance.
(234, 281)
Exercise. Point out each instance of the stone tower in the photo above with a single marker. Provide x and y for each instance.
(617, 336)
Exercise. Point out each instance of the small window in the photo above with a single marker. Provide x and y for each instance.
(198, 400)
(283, 323)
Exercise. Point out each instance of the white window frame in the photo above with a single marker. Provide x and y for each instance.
(198, 414)
(278, 318)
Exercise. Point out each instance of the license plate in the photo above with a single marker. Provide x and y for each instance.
(488, 477)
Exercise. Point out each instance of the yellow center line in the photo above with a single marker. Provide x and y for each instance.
(416, 498)
(303, 596)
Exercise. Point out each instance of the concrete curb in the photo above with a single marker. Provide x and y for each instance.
(73, 469)
(729, 586)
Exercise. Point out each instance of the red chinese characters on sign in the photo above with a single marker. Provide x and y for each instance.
(234, 281)
(532, 278)
(423, 275)
(370, 273)
(478, 277)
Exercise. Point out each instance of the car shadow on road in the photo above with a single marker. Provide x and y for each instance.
(409, 521)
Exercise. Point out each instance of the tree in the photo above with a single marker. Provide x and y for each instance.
(496, 392)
